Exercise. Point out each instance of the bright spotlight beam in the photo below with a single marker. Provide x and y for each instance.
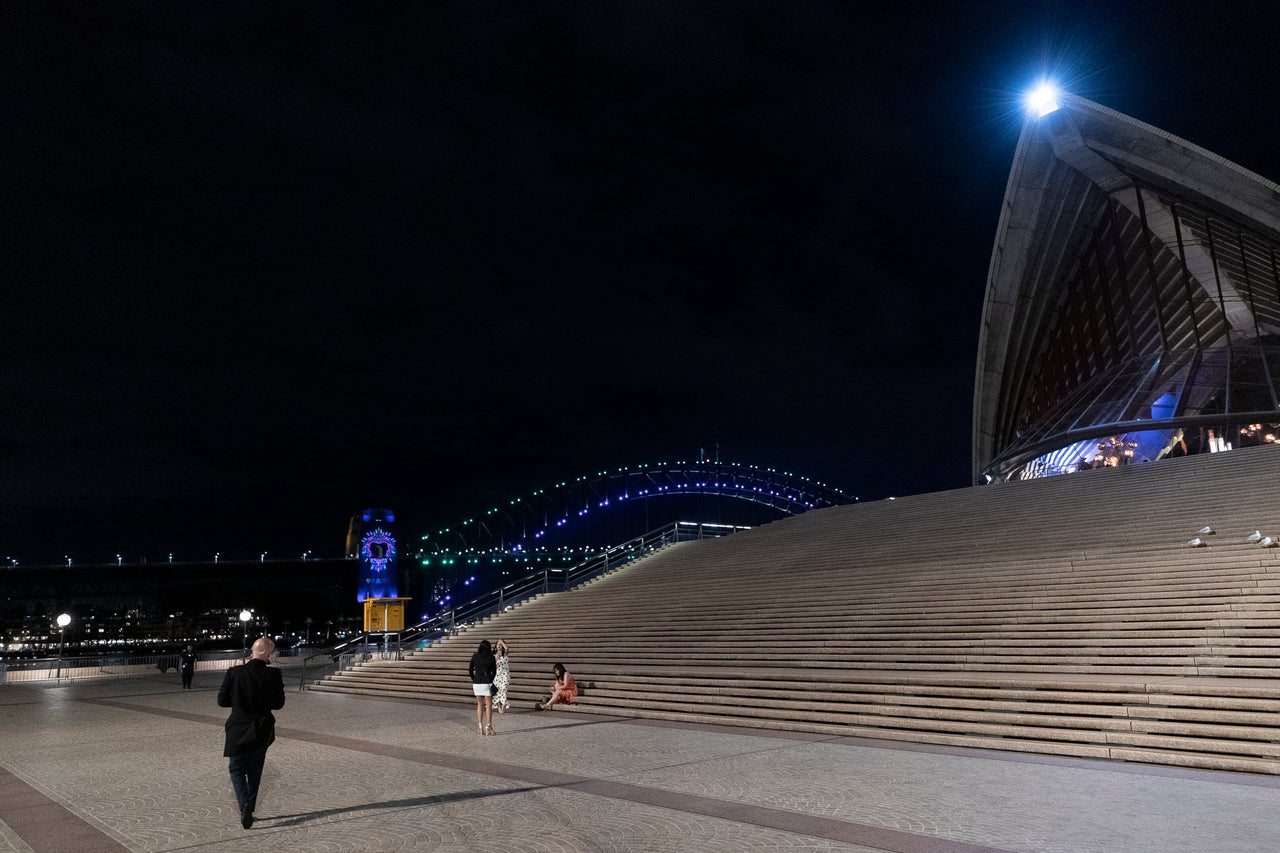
(1043, 99)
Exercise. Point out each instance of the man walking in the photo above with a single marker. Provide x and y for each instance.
(252, 691)
(187, 663)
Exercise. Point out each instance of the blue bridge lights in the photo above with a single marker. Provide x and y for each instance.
(530, 520)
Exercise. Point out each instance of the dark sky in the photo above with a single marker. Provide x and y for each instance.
(265, 264)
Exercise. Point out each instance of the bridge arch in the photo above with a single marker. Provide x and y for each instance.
(547, 519)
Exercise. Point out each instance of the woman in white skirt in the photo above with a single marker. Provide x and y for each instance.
(483, 668)
(502, 680)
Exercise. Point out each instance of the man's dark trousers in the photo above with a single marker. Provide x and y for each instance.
(246, 775)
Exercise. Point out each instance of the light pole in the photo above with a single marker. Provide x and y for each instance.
(245, 616)
(63, 621)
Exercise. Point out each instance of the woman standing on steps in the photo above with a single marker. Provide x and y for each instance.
(483, 668)
(503, 679)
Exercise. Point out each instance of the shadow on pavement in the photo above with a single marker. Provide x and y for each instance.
(280, 821)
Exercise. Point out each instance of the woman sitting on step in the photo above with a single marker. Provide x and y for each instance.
(563, 689)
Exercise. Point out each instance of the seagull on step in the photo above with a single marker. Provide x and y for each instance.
(1205, 531)
(1196, 543)
(1267, 542)
(1255, 536)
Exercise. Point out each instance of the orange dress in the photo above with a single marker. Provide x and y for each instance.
(568, 689)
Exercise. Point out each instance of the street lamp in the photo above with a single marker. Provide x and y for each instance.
(245, 616)
(63, 621)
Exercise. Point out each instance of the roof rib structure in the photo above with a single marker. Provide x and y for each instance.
(1133, 300)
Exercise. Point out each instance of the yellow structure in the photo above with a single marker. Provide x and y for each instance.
(382, 615)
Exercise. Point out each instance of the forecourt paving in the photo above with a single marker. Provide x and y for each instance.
(136, 764)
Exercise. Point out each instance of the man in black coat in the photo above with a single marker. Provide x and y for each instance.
(187, 663)
(252, 691)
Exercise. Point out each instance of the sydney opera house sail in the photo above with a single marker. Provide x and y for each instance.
(1133, 301)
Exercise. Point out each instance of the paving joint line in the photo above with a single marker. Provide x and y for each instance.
(834, 829)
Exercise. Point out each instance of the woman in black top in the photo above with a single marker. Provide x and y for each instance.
(484, 666)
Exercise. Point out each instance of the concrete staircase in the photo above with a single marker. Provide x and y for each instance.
(1065, 616)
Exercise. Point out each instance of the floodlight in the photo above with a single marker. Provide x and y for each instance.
(1043, 99)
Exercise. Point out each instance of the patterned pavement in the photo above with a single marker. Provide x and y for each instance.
(135, 765)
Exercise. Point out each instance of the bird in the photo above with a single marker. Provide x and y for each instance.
(1254, 536)
(1267, 542)
(1196, 543)
(1205, 531)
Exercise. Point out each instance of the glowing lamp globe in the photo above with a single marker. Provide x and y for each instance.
(1043, 99)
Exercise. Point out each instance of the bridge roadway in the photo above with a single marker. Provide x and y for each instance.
(135, 764)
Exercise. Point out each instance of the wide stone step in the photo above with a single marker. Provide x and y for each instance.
(1065, 616)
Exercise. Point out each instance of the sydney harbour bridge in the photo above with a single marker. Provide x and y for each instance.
(565, 512)
(554, 528)
(563, 524)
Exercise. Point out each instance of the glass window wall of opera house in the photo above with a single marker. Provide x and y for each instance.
(1132, 309)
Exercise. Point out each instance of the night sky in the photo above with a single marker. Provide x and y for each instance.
(266, 264)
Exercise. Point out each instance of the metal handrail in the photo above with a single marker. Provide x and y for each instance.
(542, 582)
(343, 655)
(24, 670)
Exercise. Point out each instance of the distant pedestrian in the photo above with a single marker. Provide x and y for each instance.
(563, 690)
(483, 669)
(252, 691)
(187, 663)
(503, 679)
